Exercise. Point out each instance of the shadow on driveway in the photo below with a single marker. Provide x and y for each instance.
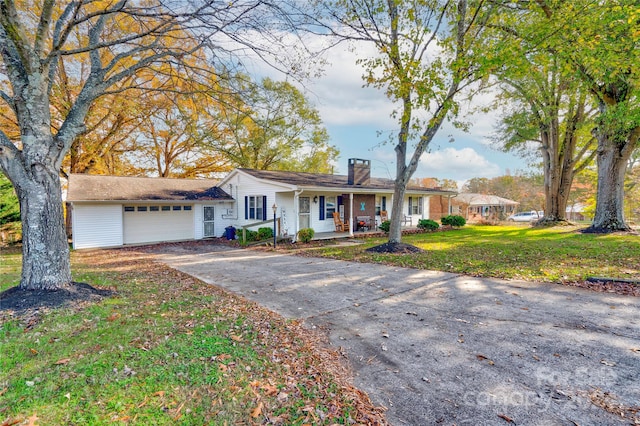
(440, 348)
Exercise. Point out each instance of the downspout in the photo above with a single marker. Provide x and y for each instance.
(296, 207)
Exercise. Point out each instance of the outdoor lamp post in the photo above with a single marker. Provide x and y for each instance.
(275, 233)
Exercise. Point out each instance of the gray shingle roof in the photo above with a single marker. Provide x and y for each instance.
(484, 200)
(329, 181)
(124, 188)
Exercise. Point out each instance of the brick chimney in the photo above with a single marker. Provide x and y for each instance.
(359, 172)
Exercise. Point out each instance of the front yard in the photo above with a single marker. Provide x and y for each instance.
(164, 349)
(169, 349)
(515, 252)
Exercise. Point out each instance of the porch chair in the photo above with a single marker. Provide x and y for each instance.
(384, 216)
(340, 226)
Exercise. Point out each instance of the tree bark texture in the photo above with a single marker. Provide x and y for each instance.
(612, 162)
(45, 251)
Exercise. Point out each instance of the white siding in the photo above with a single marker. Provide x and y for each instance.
(247, 186)
(285, 203)
(221, 221)
(425, 208)
(318, 225)
(198, 217)
(96, 225)
(153, 226)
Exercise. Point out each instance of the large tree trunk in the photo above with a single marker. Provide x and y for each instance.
(395, 227)
(558, 177)
(45, 251)
(612, 163)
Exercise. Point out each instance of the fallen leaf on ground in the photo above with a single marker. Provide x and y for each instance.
(506, 418)
(257, 411)
(32, 420)
(62, 361)
(269, 390)
(482, 358)
(113, 317)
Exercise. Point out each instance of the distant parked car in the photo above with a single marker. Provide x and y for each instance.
(525, 216)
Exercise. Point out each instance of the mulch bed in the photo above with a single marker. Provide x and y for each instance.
(395, 248)
(30, 305)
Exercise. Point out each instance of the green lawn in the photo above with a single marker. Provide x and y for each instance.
(551, 254)
(166, 349)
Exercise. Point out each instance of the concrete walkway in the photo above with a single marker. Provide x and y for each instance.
(438, 348)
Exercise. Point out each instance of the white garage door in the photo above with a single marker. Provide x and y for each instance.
(153, 223)
(96, 225)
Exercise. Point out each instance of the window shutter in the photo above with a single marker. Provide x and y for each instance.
(384, 204)
(322, 207)
(340, 200)
(246, 207)
(410, 205)
(264, 208)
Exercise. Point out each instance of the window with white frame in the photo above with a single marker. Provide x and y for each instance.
(415, 205)
(330, 206)
(255, 207)
(381, 204)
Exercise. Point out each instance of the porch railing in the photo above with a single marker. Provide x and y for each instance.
(263, 222)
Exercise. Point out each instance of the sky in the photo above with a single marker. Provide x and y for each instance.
(359, 124)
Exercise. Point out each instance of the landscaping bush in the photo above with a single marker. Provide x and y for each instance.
(428, 224)
(305, 235)
(453, 220)
(384, 226)
(265, 234)
(252, 235)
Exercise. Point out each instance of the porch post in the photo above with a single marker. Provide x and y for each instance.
(351, 214)
(296, 207)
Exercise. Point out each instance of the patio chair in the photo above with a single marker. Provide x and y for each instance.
(340, 225)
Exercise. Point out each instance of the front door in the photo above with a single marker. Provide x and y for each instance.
(209, 216)
(304, 212)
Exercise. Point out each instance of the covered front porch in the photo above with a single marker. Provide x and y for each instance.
(356, 234)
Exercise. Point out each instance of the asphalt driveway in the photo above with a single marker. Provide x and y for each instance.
(439, 348)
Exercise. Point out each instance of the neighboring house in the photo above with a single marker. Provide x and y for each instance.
(576, 212)
(107, 211)
(476, 207)
(308, 200)
(112, 211)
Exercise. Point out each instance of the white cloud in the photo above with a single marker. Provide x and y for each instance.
(460, 164)
(342, 99)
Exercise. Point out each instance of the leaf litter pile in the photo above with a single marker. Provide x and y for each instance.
(181, 352)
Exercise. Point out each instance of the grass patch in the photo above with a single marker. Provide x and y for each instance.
(10, 264)
(550, 254)
(168, 349)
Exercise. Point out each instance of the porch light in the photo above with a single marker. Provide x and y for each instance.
(315, 199)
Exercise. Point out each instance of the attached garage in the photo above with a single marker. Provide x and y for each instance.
(152, 223)
(108, 211)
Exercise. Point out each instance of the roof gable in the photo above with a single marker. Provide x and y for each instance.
(84, 187)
